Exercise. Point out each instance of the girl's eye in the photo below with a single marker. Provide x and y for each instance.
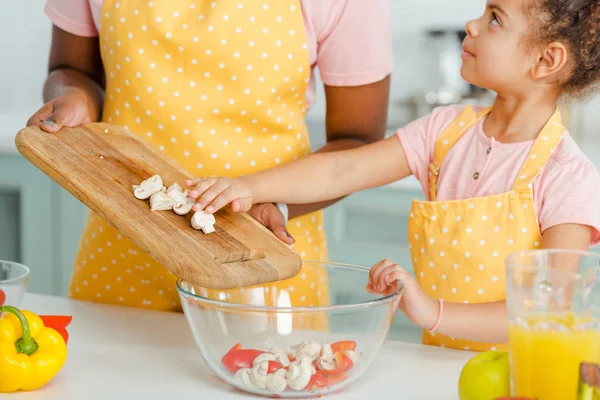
(495, 20)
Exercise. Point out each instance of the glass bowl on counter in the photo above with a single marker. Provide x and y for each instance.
(279, 341)
(14, 278)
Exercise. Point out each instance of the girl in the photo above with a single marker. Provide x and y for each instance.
(222, 87)
(498, 180)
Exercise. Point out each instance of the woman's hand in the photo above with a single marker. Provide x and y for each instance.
(269, 215)
(212, 194)
(70, 109)
(421, 309)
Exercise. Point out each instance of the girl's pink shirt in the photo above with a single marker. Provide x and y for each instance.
(567, 191)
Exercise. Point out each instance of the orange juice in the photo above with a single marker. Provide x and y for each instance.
(545, 365)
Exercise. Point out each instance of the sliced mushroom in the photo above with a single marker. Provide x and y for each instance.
(264, 357)
(238, 376)
(311, 349)
(178, 194)
(326, 362)
(276, 382)
(281, 356)
(244, 376)
(148, 187)
(299, 373)
(352, 356)
(161, 202)
(183, 209)
(326, 350)
(259, 374)
(175, 186)
(204, 221)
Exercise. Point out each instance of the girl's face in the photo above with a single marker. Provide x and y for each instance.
(495, 55)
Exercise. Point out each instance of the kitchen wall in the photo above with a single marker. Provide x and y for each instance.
(24, 45)
(412, 69)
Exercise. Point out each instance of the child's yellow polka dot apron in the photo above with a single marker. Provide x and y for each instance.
(459, 246)
(220, 87)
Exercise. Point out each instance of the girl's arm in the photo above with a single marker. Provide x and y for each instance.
(355, 116)
(327, 176)
(74, 89)
(315, 178)
(486, 322)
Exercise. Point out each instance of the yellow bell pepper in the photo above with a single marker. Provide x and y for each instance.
(30, 353)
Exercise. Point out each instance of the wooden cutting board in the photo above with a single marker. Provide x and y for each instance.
(99, 163)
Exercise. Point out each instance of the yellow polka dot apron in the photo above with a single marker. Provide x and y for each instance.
(220, 87)
(459, 246)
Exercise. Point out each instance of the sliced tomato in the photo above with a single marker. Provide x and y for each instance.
(236, 346)
(317, 382)
(340, 347)
(273, 366)
(342, 364)
(337, 378)
(242, 358)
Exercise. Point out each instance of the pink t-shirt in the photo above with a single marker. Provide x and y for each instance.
(349, 40)
(566, 192)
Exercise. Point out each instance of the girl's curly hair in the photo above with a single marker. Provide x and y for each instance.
(576, 24)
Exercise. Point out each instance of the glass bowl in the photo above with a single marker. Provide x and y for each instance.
(323, 311)
(14, 278)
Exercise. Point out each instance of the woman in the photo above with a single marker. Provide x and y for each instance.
(222, 87)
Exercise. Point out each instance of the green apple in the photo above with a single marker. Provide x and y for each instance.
(485, 376)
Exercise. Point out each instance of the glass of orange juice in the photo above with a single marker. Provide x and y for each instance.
(553, 304)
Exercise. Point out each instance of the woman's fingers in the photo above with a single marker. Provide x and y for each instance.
(41, 115)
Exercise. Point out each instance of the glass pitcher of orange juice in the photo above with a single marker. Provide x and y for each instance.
(553, 304)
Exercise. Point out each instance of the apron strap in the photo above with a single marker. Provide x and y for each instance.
(541, 151)
(465, 121)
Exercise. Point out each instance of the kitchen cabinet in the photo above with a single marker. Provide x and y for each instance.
(9, 225)
(40, 222)
(372, 225)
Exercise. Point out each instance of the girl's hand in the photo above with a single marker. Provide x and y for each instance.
(70, 109)
(421, 309)
(212, 194)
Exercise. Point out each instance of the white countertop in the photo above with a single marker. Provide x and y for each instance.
(121, 353)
